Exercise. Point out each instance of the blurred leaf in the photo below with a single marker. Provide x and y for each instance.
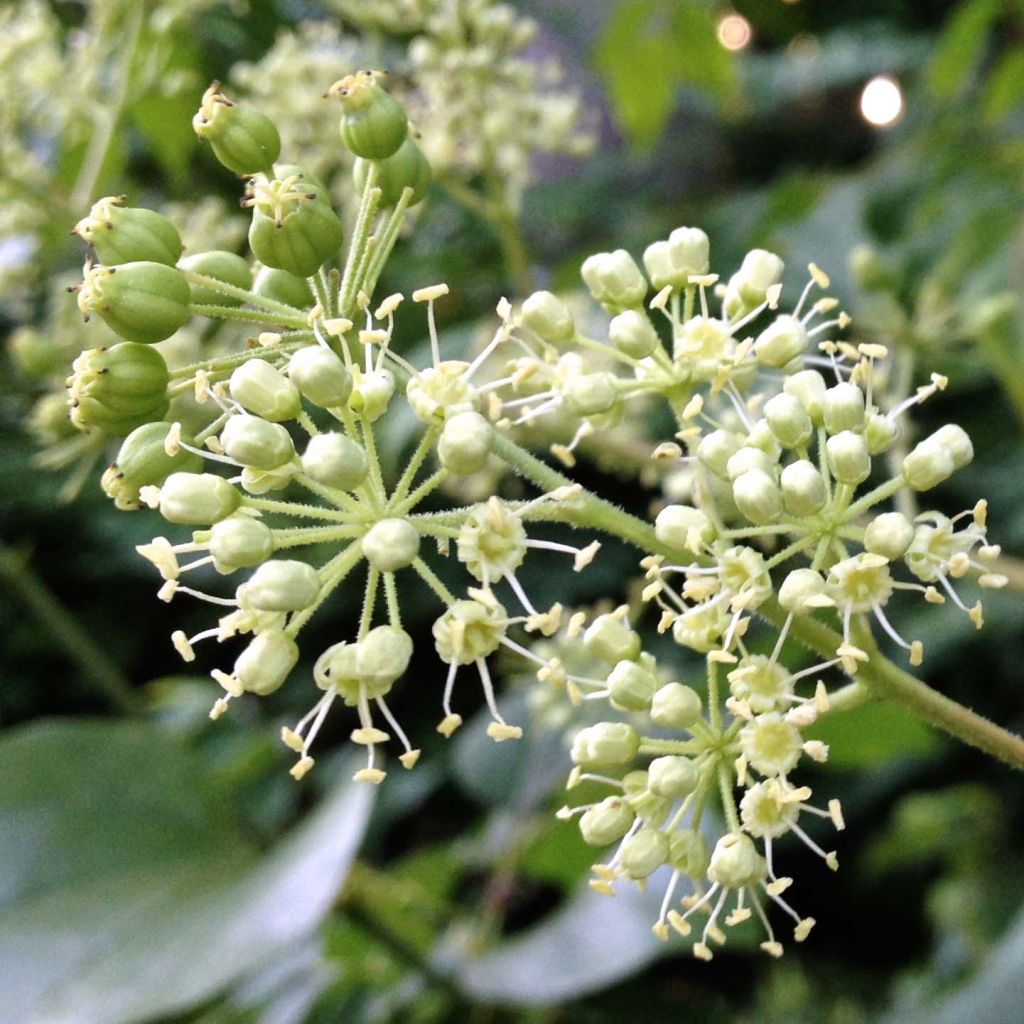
(961, 46)
(128, 890)
(873, 733)
(165, 122)
(1005, 87)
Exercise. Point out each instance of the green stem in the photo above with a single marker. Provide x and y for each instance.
(430, 578)
(242, 294)
(368, 203)
(252, 316)
(228, 362)
(880, 493)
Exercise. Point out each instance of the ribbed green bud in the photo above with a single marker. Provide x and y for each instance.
(781, 342)
(114, 390)
(290, 289)
(631, 686)
(788, 420)
(803, 489)
(610, 638)
(605, 745)
(280, 585)
(391, 544)
(848, 457)
(266, 662)
(588, 394)
(889, 535)
(373, 123)
(676, 706)
(880, 432)
(808, 388)
(142, 462)
(607, 822)
(675, 524)
(549, 317)
(126, 234)
(633, 334)
(143, 302)
(408, 168)
(757, 496)
(644, 852)
(292, 228)
(256, 442)
(843, 408)
(372, 393)
(321, 376)
(244, 141)
(465, 443)
(675, 261)
(334, 460)
(748, 287)
(672, 777)
(614, 280)
(956, 441)
(735, 862)
(747, 458)
(688, 852)
(937, 457)
(469, 630)
(801, 590)
(382, 657)
(228, 267)
(715, 450)
(264, 391)
(240, 542)
(197, 499)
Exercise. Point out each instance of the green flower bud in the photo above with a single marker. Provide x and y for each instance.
(955, 440)
(336, 669)
(320, 375)
(469, 630)
(781, 342)
(373, 123)
(749, 286)
(114, 390)
(607, 822)
(243, 140)
(803, 489)
(290, 289)
(335, 460)
(937, 457)
(292, 228)
(688, 852)
(675, 525)
(264, 391)
(382, 657)
(223, 266)
(266, 662)
(124, 234)
(848, 457)
(549, 317)
(674, 262)
(650, 808)
(614, 280)
(788, 420)
(880, 433)
(672, 777)
(610, 638)
(889, 535)
(605, 745)
(757, 496)
(255, 442)
(465, 443)
(36, 355)
(644, 852)
(675, 706)
(240, 542)
(632, 333)
(801, 590)
(371, 392)
(843, 408)
(715, 450)
(735, 862)
(280, 585)
(588, 394)
(391, 544)
(143, 302)
(142, 462)
(808, 388)
(197, 499)
(747, 458)
(631, 687)
(408, 168)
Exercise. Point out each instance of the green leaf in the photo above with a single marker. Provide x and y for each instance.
(166, 124)
(873, 733)
(128, 890)
(1005, 88)
(961, 47)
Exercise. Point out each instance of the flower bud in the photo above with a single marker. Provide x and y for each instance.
(614, 279)
(465, 443)
(843, 408)
(788, 420)
(801, 590)
(116, 389)
(757, 496)
(715, 450)
(674, 262)
(937, 457)
(469, 630)
(240, 542)
(143, 302)
(675, 525)
(848, 457)
(605, 745)
(633, 334)
(142, 462)
(266, 662)
(264, 391)
(549, 317)
(372, 392)
(336, 669)
(688, 852)
(243, 140)
(292, 228)
(391, 544)
(650, 808)
(889, 535)
(808, 388)
(644, 852)
(334, 460)
(124, 234)
(803, 489)
(373, 123)
(955, 440)
(631, 687)
(290, 289)
(610, 638)
(735, 862)
(197, 499)
(382, 657)
(321, 376)
(672, 777)
(255, 442)
(228, 267)
(408, 168)
(869, 269)
(675, 706)
(607, 822)
(748, 287)
(35, 354)
(280, 585)
(588, 394)
(781, 342)
(748, 457)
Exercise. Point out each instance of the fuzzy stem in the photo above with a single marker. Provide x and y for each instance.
(252, 316)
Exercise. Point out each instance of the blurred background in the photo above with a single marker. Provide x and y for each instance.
(157, 867)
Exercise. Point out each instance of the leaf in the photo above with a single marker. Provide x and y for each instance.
(873, 733)
(961, 46)
(1005, 88)
(166, 124)
(128, 891)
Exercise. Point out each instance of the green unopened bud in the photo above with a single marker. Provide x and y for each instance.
(335, 460)
(747, 458)
(114, 390)
(465, 443)
(757, 496)
(749, 286)
(256, 442)
(371, 392)
(125, 234)
(644, 852)
(678, 525)
(801, 591)
(321, 376)
(408, 168)
(143, 302)
(632, 333)
(675, 261)
(848, 457)
(280, 585)
(672, 776)
(843, 408)
(715, 450)
(611, 639)
(266, 662)
(788, 420)
(335, 669)
(382, 657)
(676, 706)
(197, 499)
(240, 542)
(808, 387)
(228, 267)
(607, 822)
(549, 317)
(288, 288)
(735, 862)
(588, 394)
(803, 489)
(142, 461)
(937, 457)
(781, 342)
(468, 631)
(614, 280)
(373, 123)
(244, 141)
(391, 544)
(605, 745)
(264, 391)
(889, 535)
(956, 441)
(631, 687)
(880, 432)
(688, 852)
